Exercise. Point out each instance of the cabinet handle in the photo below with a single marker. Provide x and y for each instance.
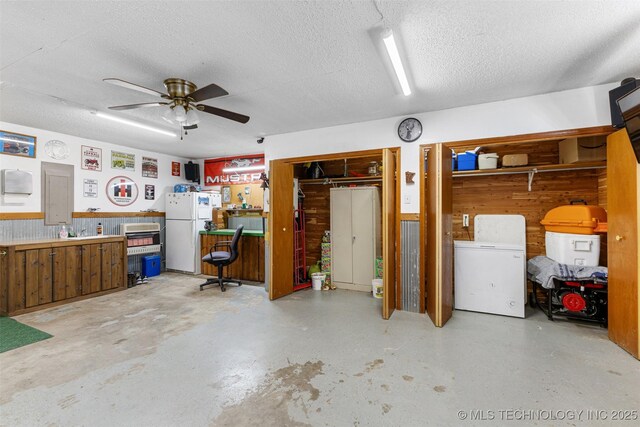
(3, 253)
(619, 238)
(52, 254)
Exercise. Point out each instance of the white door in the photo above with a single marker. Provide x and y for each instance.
(341, 236)
(181, 245)
(362, 228)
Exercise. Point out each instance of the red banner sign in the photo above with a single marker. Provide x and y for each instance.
(239, 170)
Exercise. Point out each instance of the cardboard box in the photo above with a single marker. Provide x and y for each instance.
(586, 149)
(512, 160)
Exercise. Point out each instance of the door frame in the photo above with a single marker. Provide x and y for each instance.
(291, 161)
(512, 139)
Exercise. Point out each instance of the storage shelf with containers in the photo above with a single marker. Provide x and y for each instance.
(545, 174)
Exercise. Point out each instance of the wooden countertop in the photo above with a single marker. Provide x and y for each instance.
(73, 241)
(230, 232)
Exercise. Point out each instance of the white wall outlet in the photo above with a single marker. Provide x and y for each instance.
(407, 199)
(465, 220)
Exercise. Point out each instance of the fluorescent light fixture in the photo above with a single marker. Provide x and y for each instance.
(243, 169)
(392, 50)
(134, 124)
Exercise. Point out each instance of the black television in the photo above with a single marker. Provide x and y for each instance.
(629, 106)
(626, 86)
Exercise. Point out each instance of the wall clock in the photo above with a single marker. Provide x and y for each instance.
(56, 149)
(410, 129)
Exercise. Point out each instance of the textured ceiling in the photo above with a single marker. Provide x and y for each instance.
(294, 65)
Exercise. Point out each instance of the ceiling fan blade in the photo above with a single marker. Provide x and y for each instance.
(208, 92)
(119, 82)
(189, 127)
(223, 113)
(132, 106)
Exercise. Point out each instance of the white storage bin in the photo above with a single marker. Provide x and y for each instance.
(488, 161)
(573, 249)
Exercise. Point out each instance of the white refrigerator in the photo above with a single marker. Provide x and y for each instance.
(185, 217)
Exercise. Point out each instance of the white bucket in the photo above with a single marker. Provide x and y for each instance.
(317, 280)
(376, 288)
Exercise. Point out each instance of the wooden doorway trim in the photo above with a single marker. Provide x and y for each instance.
(291, 161)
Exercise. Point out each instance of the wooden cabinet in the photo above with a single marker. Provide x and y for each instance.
(39, 274)
(355, 236)
(250, 262)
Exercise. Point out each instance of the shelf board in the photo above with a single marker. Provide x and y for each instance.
(243, 210)
(527, 169)
(341, 179)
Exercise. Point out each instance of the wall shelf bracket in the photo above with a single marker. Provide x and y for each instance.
(531, 173)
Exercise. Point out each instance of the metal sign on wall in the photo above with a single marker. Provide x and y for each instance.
(122, 190)
(233, 170)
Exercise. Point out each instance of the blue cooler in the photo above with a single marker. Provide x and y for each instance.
(151, 265)
(467, 161)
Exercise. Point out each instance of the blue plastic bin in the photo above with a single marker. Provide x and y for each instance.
(151, 265)
(467, 161)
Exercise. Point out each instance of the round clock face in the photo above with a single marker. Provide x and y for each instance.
(410, 129)
(56, 149)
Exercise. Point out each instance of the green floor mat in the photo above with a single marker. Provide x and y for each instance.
(14, 334)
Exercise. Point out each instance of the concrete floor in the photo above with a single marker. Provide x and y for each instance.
(166, 354)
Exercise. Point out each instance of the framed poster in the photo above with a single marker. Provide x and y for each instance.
(90, 188)
(91, 158)
(175, 168)
(226, 194)
(149, 192)
(124, 161)
(122, 190)
(17, 144)
(149, 167)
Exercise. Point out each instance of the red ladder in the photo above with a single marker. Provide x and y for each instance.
(299, 252)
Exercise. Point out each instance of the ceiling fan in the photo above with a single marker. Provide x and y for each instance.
(182, 98)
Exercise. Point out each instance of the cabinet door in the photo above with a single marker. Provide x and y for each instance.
(59, 272)
(91, 269)
(44, 277)
(117, 266)
(105, 267)
(439, 207)
(72, 271)
(281, 229)
(622, 242)
(389, 236)
(362, 227)
(341, 236)
(16, 290)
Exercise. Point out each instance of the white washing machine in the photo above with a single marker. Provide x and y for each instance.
(490, 272)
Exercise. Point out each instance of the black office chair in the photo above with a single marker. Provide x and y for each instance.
(223, 258)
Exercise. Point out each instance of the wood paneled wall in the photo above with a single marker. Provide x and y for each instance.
(317, 210)
(316, 201)
(507, 194)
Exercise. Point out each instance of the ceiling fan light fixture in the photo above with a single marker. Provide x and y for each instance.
(169, 116)
(192, 117)
(181, 113)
